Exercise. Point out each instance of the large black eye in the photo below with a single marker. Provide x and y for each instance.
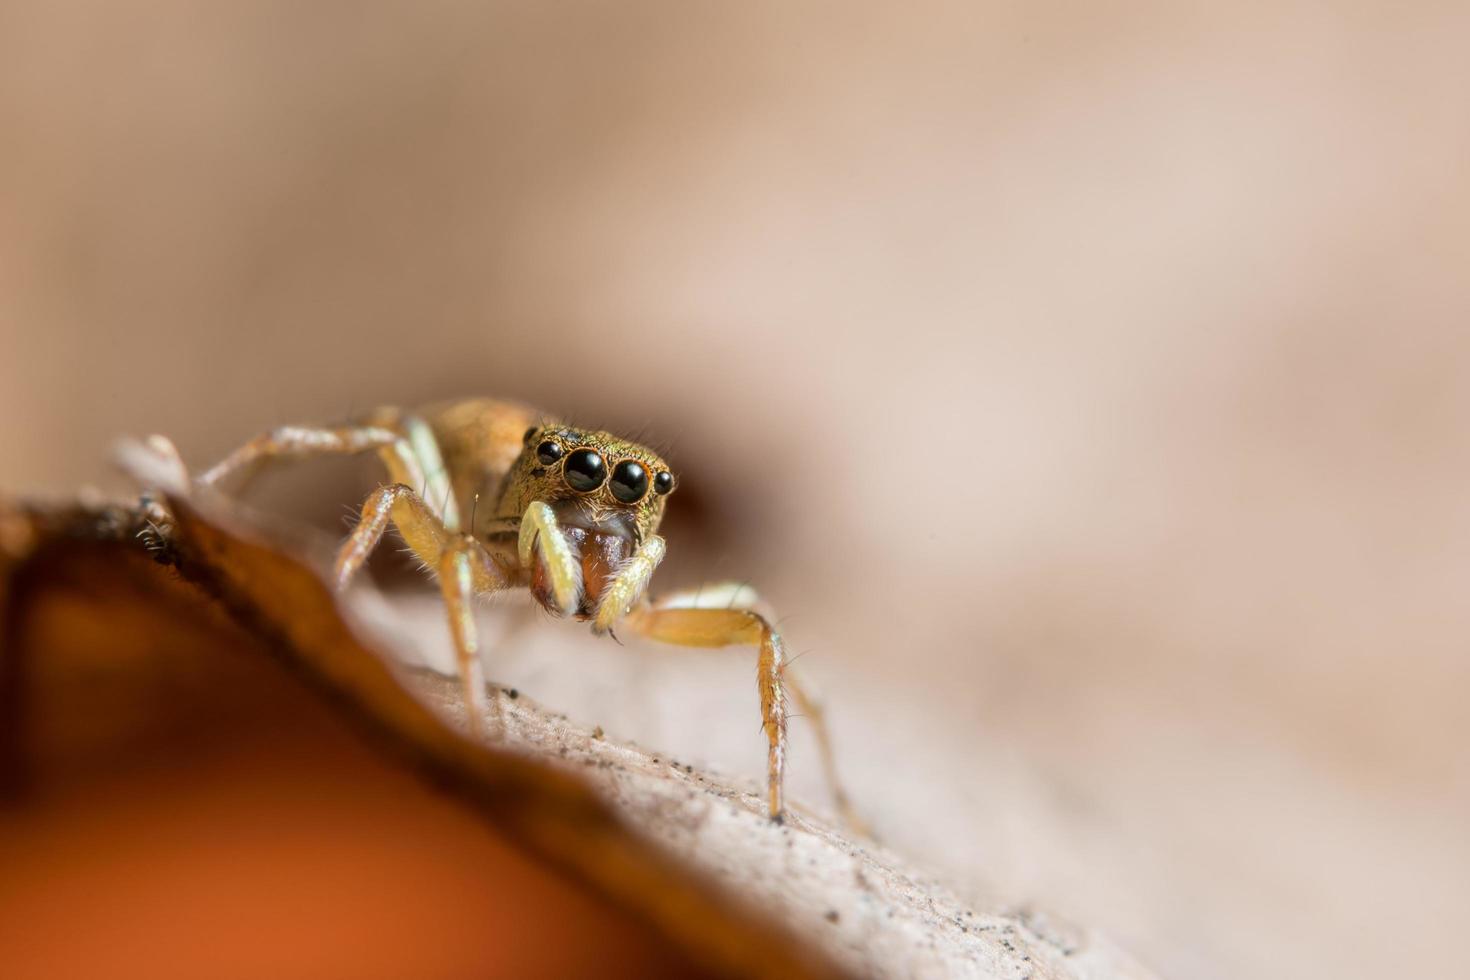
(629, 481)
(584, 470)
(663, 482)
(549, 452)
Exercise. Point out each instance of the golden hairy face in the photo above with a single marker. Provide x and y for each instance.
(591, 478)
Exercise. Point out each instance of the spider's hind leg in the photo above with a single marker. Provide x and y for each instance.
(405, 443)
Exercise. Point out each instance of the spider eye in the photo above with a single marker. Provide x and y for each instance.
(629, 481)
(584, 470)
(530, 434)
(549, 452)
(663, 482)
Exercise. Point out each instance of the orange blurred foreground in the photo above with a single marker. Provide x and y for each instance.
(176, 804)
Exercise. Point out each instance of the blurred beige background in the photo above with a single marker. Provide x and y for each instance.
(1089, 383)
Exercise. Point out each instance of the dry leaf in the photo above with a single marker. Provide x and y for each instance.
(207, 769)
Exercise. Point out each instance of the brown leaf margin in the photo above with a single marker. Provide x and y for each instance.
(272, 594)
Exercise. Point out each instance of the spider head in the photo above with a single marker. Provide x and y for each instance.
(591, 477)
(608, 493)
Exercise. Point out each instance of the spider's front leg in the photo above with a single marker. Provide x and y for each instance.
(685, 620)
(465, 570)
(461, 563)
(702, 627)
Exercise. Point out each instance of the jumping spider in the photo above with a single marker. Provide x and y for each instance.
(569, 513)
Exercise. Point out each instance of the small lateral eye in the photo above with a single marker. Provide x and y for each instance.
(549, 452)
(663, 482)
(530, 434)
(629, 481)
(584, 470)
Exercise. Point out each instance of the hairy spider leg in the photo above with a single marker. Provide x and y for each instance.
(461, 563)
(405, 443)
(464, 568)
(811, 710)
(420, 528)
(695, 627)
(683, 620)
